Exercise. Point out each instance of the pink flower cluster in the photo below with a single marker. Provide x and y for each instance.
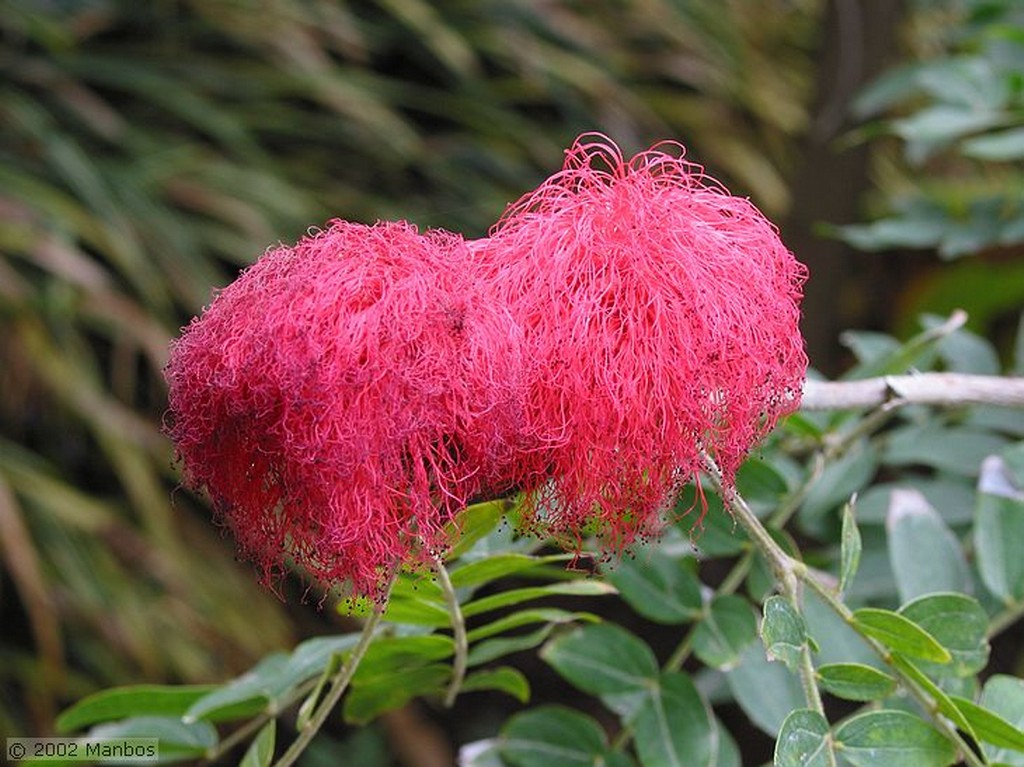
(660, 317)
(345, 397)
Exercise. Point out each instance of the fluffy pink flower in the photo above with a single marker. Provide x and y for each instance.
(343, 397)
(660, 317)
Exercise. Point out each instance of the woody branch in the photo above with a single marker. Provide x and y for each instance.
(915, 389)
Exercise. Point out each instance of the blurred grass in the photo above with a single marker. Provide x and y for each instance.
(149, 150)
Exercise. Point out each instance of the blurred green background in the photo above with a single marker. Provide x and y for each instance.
(148, 150)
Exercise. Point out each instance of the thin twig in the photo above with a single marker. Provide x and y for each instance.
(787, 570)
(782, 565)
(458, 633)
(240, 735)
(338, 685)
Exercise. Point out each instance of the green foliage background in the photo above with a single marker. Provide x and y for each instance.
(149, 150)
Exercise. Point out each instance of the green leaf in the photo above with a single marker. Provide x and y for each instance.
(504, 679)
(894, 232)
(919, 349)
(760, 484)
(999, 531)
(309, 657)
(959, 624)
(481, 753)
(871, 349)
(604, 659)
(245, 695)
(659, 586)
(783, 632)
(528, 617)
(728, 627)
(766, 691)
(261, 751)
(875, 582)
(987, 222)
(269, 685)
(473, 523)
(388, 655)
(803, 741)
(936, 126)
(894, 86)
(913, 526)
(728, 751)
(965, 352)
(837, 641)
(955, 450)
(1004, 695)
(367, 701)
(803, 425)
(989, 726)
(555, 736)
(899, 633)
(849, 547)
(965, 81)
(489, 650)
(952, 497)
(855, 681)
(892, 739)
(1001, 146)
(178, 740)
(309, 705)
(517, 596)
(713, 530)
(137, 700)
(673, 725)
(840, 480)
(1013, 456)
(1018, 349)
(417, 601)
(942, 700)
(498, 566)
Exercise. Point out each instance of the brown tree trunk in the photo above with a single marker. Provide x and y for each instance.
(859, 40)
